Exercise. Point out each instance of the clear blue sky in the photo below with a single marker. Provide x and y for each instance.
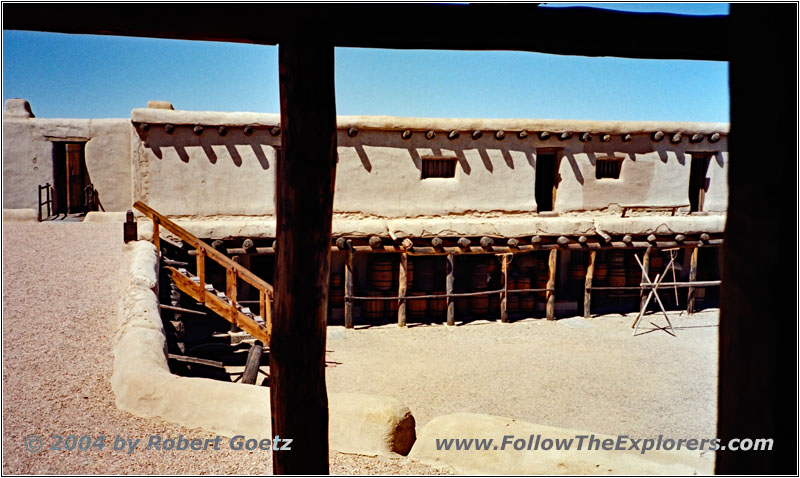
(86, 76)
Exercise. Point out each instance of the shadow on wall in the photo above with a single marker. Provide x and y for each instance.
(157, 139)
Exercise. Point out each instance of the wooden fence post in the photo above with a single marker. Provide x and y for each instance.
(587, 293)
(348, 286)
(551, 284)
(504, 297)
(401, 290)
(451, 282)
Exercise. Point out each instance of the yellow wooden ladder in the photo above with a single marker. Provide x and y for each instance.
(223, 303)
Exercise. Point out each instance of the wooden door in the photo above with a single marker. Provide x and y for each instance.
(75, 177)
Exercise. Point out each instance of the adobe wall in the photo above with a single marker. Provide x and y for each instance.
(28, 155)
(378, 174)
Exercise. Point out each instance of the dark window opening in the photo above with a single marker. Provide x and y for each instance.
(698, 182)
(545, 183)
(438, 168)
(70, 177)
(608, 168)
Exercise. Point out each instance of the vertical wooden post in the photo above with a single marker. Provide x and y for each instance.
(201, 273)
(551, 285)
(231, 277)
(304, 179)
(348, 286)
(504, 297)
(646, 266)
(401, 290)
(587, 293)
(451, 283)
(156, 236)
(692, 278)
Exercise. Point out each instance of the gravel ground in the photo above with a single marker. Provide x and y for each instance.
(596, 377)
(61, 283)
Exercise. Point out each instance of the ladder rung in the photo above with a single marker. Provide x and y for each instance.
(183, 271)
(210, 287)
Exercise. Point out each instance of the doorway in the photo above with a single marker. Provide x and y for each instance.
(545, 182)
(698, 183)
(70, 177)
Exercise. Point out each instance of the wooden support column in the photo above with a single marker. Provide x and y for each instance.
(305, 177)
(692, 278)
(451, 283)
(587, 293)
(504, 297)
(551, 284)
(348, 286)
(402, 286)
(646, 266)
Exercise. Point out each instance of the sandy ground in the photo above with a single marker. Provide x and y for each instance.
(586, 374)
(61, 283)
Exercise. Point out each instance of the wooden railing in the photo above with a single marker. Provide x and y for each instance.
(233, 271)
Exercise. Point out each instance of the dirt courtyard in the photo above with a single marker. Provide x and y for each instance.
(587, 374)
(61, 284)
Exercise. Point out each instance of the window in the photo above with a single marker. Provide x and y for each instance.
(698, 183)
(438, 168)
(545, 183)
(608, 168)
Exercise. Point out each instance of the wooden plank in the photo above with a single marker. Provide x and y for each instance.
(504, 294)
(182, 310)
(196, 243)
(402, 287)
(587, 294)
(364, 26)
(305, 181)
(646, 267)
(201, 269)
(551, 284)
(157, 235)
(450, 287)
(196, 360)
(692, 278)
(348, 289)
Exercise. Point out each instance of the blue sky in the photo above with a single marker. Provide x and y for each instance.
(86, 76)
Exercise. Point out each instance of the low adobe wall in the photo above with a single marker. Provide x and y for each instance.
(144, 386)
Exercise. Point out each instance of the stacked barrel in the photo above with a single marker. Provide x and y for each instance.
(616, 272)
(379, 275)
(480, 282)
(600, 279)
(526, 300)
(577, 274)
(336, 294)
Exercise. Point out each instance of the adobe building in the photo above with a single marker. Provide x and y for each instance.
(467, 206)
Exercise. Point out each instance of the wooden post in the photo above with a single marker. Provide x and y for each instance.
(402, 286)
(451, 283)
(156, 236)
(304, 180)
(551, 284)
(587, 293)
(348, 286)
(201, 272)
(646, 267)
(504, 297)
(692, 278)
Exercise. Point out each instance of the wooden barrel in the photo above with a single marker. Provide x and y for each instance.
(337, 280)
(494, 304)
(656, 264)
(437, 308)
(616, 259)
(380, 273)
(479, 305)
(600, 271)
(634, 273)
(416, 308)
(409, 274)
(616, 277)
(526, 300)
(390, 306)
(336, 297)
(480, 277)
(462, 306)
(512, 302)
(373, 309)
(423, 274)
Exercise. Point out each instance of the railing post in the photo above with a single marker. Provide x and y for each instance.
(692, 278)
(451, 281)
(348, 287)
(646, 268)
(587, 293)
(156, 235)
(230, 291)
(201, 273)
(504, 297)
(39, 212)
(551, 285)
(402, 286)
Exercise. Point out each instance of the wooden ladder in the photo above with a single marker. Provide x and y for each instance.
(223, 303)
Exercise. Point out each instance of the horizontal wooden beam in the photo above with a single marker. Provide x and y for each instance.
(521, 27)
